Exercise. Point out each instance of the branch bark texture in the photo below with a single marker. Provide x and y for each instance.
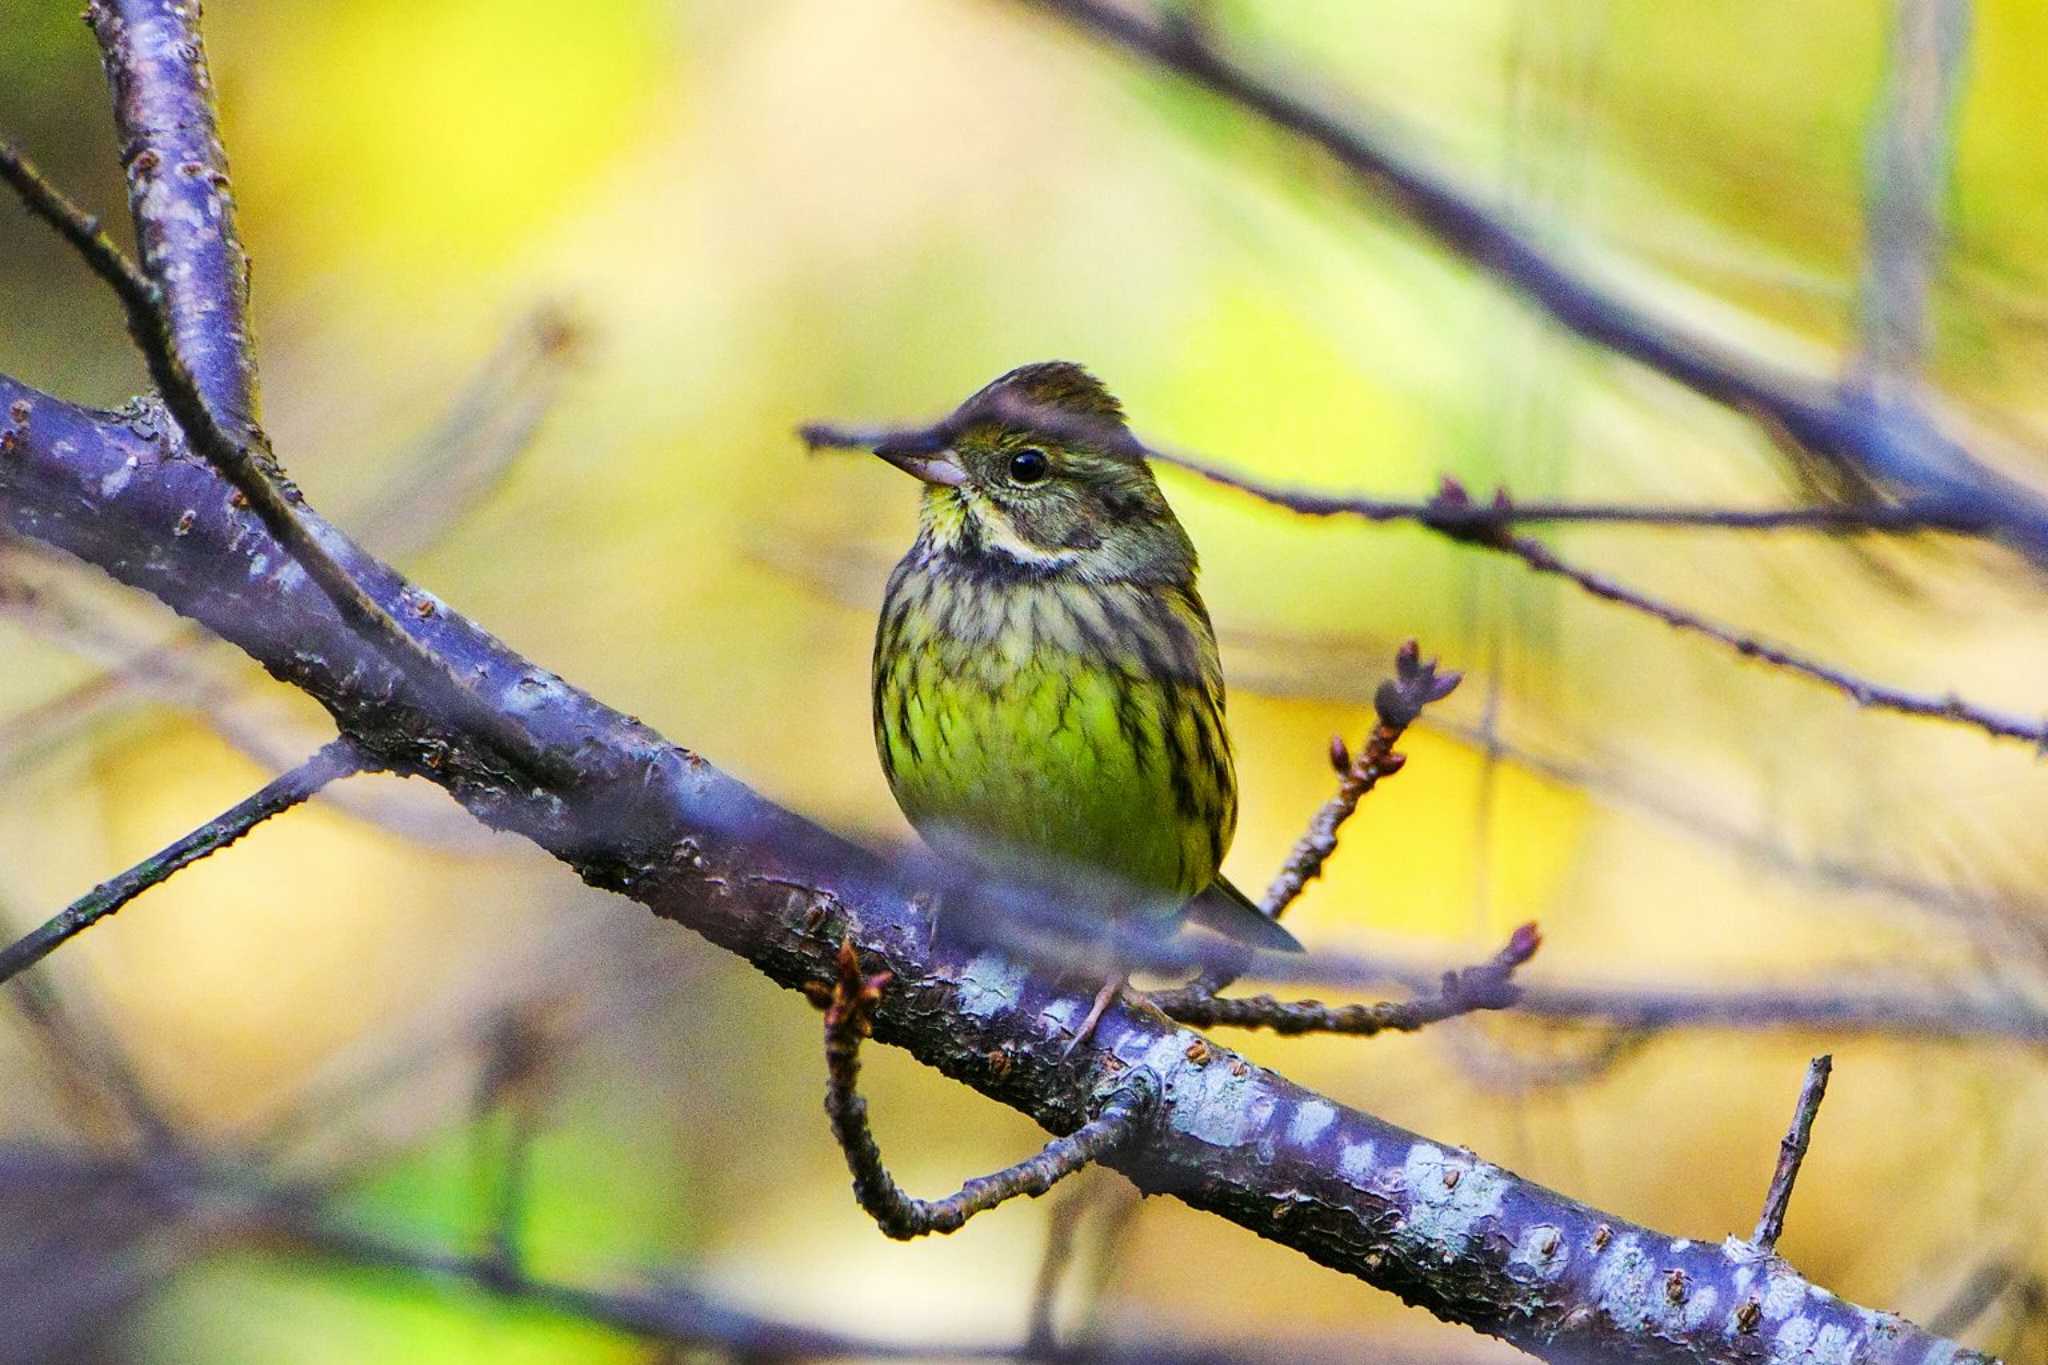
(629, 811)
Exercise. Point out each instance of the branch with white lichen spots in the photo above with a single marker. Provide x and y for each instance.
(1465, 1239)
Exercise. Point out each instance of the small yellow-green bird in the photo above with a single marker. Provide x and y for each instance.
(1047, 695)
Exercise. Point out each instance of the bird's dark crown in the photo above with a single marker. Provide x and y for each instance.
(1054, 398)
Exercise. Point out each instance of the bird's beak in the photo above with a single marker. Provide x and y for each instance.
(929, 458)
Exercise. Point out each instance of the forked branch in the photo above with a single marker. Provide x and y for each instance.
(157, 66)
(1488, 985)
(1129, 1102)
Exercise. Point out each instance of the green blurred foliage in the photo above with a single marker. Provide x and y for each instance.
(764, 213)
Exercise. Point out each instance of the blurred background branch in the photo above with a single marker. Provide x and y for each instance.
(1901, 447)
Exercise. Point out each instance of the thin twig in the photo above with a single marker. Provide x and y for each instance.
(191, 670)
(510, 1086)
(674, 1312)
(1791, 1152)
(336, 759)
(899, 1215)
(1879, 1009)
(1397, 703)
(466, 454)
(86, 1057)
(1487, 532)
(1875, 696)
(248, 463)
(1501, 510)
(1486, 986)
(1440, 513)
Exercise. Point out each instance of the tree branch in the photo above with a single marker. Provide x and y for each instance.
(334, 760)
(1469, 516)
(178, 192)
(1895, 446)
(1129, 1105)
(244, 460)
(1465, 1239)
(1488, 985)
(1397, 702)
(1907, 172)
(1492, 534)
(1791, 1152)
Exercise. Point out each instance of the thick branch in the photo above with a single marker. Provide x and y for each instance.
(178, 193)
(243, 456)
(1467, 1240)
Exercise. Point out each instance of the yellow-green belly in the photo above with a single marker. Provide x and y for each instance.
(1041, 726)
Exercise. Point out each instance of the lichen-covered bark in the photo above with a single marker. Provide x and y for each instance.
(1442, 1228)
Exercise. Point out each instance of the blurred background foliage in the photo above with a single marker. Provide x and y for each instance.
(733, 217)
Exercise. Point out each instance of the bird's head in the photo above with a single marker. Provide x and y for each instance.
(1038, 474)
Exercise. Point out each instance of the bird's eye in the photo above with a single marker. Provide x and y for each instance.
(1029, 466)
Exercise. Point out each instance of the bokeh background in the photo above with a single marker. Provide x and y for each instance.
(541, 293)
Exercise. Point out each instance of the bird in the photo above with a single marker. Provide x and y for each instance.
(1048, 697)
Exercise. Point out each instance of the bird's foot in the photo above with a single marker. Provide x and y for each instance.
(1109, 991)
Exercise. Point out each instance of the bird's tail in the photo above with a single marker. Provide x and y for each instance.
(1226, 910)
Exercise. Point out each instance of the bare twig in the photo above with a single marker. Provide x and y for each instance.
(1122, 1112)
(509, 1088)
(674, 1312)
(1491, 534)
(1500, 511)
(1397, 703)
(86, 1058)
(1877, 696)
(1900, 1011)
(1486, 986)
(1893, 446)
(334, 760)
(1791, 1152)
(469, 450)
